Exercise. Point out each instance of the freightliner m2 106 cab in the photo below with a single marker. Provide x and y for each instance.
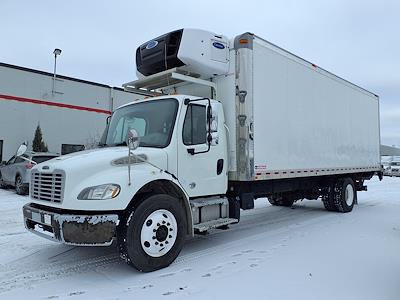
(228, 121)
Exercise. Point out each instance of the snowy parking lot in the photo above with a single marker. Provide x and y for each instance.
(274, 253)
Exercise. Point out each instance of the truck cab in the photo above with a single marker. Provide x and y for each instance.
(90, 197)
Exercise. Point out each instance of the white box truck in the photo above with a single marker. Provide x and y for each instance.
(229, 121)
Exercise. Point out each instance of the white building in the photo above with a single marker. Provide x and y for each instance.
(72, 115)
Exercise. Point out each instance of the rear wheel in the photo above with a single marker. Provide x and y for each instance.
(20, 189)
(328, 199)
(345, 195)
(340, 196)
(154, 234)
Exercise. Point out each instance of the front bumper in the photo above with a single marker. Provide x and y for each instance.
(72, 229)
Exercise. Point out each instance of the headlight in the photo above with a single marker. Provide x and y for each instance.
(100, 192)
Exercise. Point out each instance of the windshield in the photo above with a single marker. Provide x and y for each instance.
(153, 120)
(395, 163)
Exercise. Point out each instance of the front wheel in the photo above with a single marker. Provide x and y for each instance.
(154, 234)
(19, 186)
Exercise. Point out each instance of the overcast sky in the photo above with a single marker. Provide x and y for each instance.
(357, 40)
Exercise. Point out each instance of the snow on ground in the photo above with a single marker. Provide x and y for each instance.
(273, 253)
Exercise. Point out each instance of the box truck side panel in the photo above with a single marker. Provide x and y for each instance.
(308, 120)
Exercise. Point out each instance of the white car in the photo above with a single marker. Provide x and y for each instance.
(394, 169)
(16, 172)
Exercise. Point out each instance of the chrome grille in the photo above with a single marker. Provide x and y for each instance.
(47, 186)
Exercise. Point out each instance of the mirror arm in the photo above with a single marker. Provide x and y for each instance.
(129, 165)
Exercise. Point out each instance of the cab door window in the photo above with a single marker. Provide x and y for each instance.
(194, 126)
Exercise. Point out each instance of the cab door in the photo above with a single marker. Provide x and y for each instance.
(202, 165)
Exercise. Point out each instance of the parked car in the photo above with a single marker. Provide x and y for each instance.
(16, 172)
(394, 168)
(386, 168)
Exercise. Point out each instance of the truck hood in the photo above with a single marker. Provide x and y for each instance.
(99, 159)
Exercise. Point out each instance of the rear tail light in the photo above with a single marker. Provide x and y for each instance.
(29, 166)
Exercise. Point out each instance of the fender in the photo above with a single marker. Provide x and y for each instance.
(143, 175)
(171, 187)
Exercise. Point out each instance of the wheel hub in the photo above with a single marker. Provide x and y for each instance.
(162, 233)
(349, 195)
(159, 232)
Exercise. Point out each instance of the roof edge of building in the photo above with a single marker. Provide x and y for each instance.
(58, 76)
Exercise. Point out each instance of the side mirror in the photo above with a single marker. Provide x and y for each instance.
(132, 139)
(21, 150)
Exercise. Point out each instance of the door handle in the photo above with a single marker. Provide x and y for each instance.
(220, 166)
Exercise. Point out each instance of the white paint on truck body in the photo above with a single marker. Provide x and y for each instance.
(306, 118)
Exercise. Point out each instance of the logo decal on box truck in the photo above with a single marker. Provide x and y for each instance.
(218, 45)
(151, 45)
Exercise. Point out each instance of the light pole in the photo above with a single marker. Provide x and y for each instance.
(56, 52)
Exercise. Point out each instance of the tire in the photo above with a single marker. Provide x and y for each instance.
(328, 199)
(345, 195)
(2, 184)
(19, 186)
(154, 233)
(280, 201)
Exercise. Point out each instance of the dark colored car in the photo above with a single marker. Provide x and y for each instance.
(17, 171)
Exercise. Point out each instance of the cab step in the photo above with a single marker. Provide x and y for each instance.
(201, 202)
(202, 227)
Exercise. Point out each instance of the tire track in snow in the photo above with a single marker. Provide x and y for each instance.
(17, 277)
(27, 271)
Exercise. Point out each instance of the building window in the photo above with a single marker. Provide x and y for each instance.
(70, 148)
